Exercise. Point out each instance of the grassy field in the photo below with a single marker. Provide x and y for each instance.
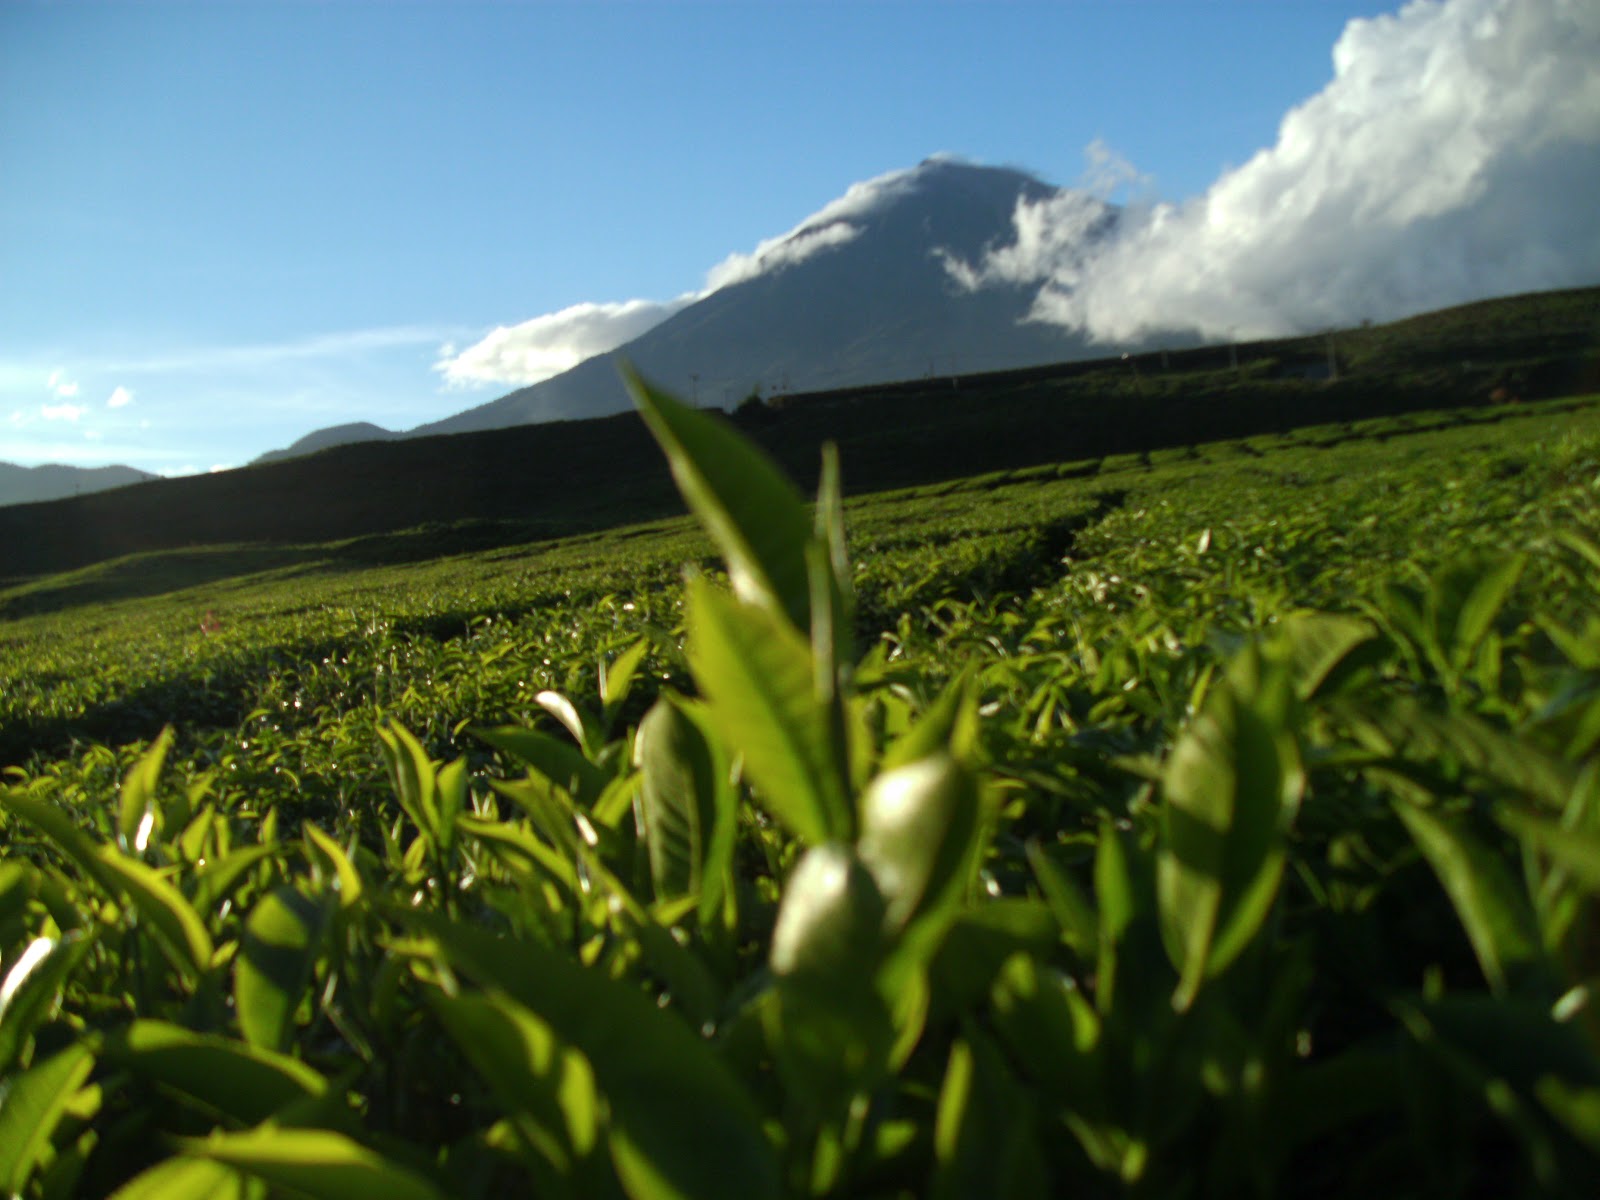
(1216, 819)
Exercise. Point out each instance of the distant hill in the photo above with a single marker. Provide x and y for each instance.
(517, 485)
(29, 485)
(336, 435)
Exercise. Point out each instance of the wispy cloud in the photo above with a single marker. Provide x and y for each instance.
(120, 397)
(62, 412)
(259, 355)
(1454, 155)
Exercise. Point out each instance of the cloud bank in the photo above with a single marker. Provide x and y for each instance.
(545, 346)
(1455, 155)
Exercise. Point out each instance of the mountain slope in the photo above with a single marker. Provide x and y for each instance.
(29, 485)
(873, 303)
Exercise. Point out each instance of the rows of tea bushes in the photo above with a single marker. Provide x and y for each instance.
(1217, 823)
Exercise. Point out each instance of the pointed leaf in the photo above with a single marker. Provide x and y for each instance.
(1482, 604)
(1319, 643)
(557, 761)
(752, 512)
(589, 736)
(244, 1082)
(347, 879)
(184, 1179)
(411, 774)
(537, 1080)
(756, 673)
(281, 941)
(214, 880)
(1495, 913)
(677, 798)
(984, 1138)
(616, 681)
(32, 1104)
(314, 1162)
(1574, 850)
(139, 789)
(699, 1137)
(32, 983)
(182, 935)
(1231, 783)
(1072, 910)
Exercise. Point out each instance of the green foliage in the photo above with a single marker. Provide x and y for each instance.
(1220, 826)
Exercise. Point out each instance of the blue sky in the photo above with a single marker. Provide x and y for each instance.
(224, 225)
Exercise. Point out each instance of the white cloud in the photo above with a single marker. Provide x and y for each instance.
(1054, 237)
(121, 397)
(60, 386)
(824, 229)
(774, 254)
(545, 346)
(1454, 155)
(62, 412)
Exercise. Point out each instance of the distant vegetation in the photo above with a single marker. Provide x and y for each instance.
(510, 486)
(1185, 817)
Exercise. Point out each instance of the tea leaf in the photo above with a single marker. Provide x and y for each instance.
(32, 1104)
(31, 985)
(282, 938)
(756, 672)
(677, 798)
(1233, 779)
(1494, 912)
(139, 790)
(752, 512)
(314, 1162)
(700, 1137)
(244, 1082)
(183, 937)
(544, 1086)
(184, 1179)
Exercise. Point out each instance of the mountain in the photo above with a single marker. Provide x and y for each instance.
(28, 485)
(334, 435)
(857, 294)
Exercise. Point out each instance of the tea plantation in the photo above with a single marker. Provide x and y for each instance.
(1215, 821)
